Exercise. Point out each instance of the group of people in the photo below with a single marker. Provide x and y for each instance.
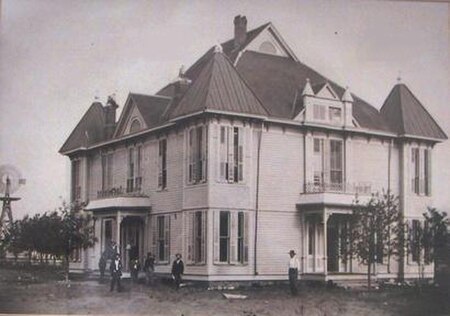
(177, 270)
(149, 268)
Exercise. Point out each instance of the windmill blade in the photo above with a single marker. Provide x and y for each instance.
(13, 174)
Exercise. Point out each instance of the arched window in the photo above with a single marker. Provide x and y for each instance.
(268, 48)
(135, 126)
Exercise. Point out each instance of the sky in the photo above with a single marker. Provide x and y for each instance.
(56, 57)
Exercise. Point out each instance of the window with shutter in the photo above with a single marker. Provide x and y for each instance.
(231, 237)
(428, 172)
(224, 236)
(166, 238)
(197, 154)
(336, 165)
(162, 164)
(420, 171)
(130, 180)
(189, 237)
(231, 154)
(154, 249)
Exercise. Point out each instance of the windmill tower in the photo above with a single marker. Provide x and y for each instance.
(10, 180)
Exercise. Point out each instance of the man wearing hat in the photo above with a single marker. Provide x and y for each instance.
(177, 270)
(294, 266)
(116, 272)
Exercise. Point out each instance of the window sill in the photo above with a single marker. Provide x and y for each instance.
(230, 264)
(162, 263)
(196, 185)
(162, 190)
(242, 183)
(196, 264)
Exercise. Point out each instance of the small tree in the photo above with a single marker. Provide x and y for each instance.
(428, 240)
(74, 232)
(375, 230)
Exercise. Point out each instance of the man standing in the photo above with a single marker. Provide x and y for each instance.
(149, 268)
(177, 270)
(294, 266)
(116, 272)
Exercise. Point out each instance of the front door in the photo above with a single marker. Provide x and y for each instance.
(132, 240)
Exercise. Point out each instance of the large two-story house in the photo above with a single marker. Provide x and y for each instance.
(247, 154)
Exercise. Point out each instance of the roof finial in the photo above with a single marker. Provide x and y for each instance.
(307, 89)
(181, 71)
(347, 97)
(399, 78)
(218, 48)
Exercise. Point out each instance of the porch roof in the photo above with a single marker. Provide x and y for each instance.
(121, 202)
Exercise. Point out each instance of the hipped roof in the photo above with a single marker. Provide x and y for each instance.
(89, 130)
(218, 87)
(407, 116)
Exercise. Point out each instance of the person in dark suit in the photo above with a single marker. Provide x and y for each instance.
(177, 270)
(116, 273)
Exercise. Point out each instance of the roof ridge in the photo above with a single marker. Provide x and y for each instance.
(401, 109)
(150, 95)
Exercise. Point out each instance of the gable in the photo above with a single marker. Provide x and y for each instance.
(327, 92)
(145, 109)
(267, 43)
(135, 121)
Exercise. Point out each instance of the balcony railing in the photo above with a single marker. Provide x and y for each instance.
(119, 192)
(363, 188)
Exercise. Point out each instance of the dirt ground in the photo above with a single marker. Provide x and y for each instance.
(41, 291)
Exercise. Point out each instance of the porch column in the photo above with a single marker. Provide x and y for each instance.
(325, 242)
(118, 221)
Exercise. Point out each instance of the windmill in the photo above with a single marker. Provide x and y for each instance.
(10, 181)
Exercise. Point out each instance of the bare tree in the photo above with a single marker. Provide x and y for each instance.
(376, 231)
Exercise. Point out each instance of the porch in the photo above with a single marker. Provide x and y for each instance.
(121, 223)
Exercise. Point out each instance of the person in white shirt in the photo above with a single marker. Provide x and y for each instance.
(294, 266)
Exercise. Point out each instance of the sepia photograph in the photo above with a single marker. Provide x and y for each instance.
(207, 157)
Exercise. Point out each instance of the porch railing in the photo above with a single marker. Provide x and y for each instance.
(362, 188)
(119, 192)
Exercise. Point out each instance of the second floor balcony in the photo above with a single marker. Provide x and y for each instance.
(360, 188)
(338, 193)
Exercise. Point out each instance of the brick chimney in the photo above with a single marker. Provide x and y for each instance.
(240, 30)
(110, 117)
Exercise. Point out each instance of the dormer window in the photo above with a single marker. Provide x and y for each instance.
(135, 126)
(335, 115)
(320, 112)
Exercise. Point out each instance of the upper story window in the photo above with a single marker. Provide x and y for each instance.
(162, 164)
(319, 112)
(231, 154)
(197, 154)
(328, 164)
(335, 115)
(107, 171)
(135, 126)
(76, 181)
(420, 171)
(134, 180)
